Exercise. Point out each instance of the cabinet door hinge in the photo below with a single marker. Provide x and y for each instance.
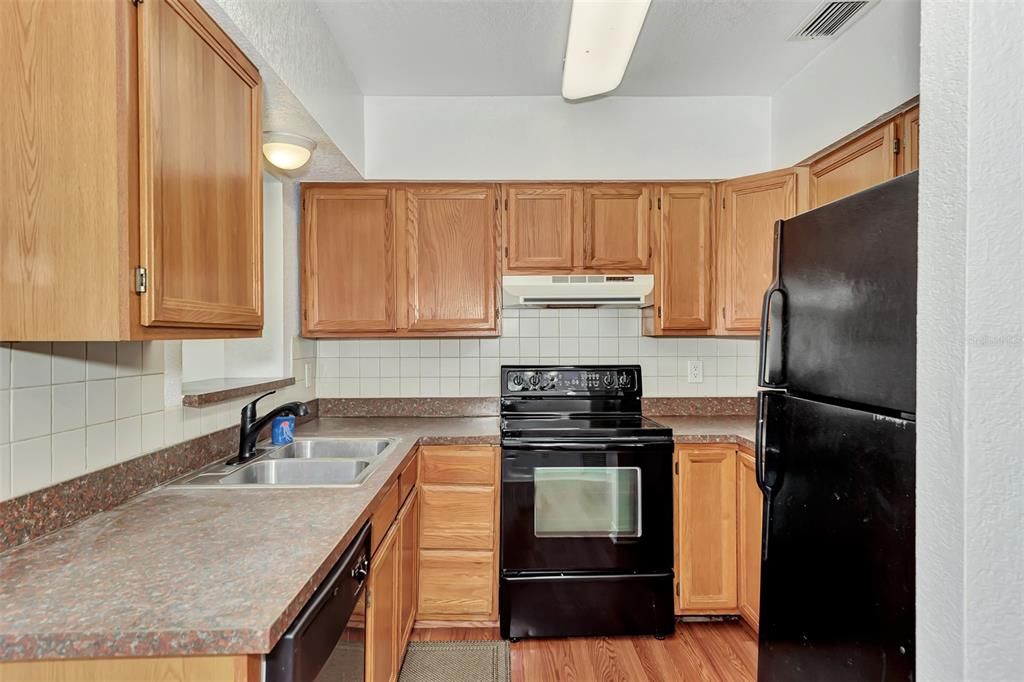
(659, 203)
(141, 280)
(497, 312)
(369, 598)
(896, 145)
(723, 203)
(506, 252)
(659, 312)
(506, 204)
(677, 468)
(677, 588)
(136, 3)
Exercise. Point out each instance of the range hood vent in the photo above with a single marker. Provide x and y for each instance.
(577, 291)
(830, 19)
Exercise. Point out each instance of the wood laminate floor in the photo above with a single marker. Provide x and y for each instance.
(707, 652)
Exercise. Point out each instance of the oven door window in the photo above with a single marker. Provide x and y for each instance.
(580, 502)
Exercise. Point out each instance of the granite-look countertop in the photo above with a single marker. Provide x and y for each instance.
(179, 572)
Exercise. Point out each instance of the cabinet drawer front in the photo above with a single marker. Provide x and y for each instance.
(407, 479)
(472, 465)
(384, 516)
(458, 517)
(457, 584)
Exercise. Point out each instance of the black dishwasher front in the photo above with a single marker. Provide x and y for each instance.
(327, 640)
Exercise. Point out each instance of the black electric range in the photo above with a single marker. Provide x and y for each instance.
(586, 509)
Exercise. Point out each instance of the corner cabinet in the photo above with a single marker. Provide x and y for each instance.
(400, 260)
(142, 220)
(748, 210)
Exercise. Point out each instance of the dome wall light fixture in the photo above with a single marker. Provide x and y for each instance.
(602, 35)
(287, 151)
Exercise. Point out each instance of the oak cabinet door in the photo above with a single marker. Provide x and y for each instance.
(458, 516)
(683, 258)
(539, 232)
(706, 508)
(382, 633)
(751, 206)
(615, 227)
(910, 140)
(200, 215)
(408, 538)
(452, 258)
(749, 510)
(349, 260)
(861, 163)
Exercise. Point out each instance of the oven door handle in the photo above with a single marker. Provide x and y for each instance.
(562, 446)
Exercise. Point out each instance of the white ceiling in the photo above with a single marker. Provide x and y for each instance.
(515, 47)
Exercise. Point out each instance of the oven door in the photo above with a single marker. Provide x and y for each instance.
(591, 507)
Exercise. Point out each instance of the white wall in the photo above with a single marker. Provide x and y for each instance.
(291, 36)
(868, 71)
(547, 138)
(970, 499)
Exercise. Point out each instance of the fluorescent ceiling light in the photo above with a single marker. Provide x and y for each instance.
(602, 35)
(286, 150)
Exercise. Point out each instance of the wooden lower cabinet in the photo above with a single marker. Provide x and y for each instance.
(717, 522)
(178, 669)
(458, 569)
(382, 625)
(393, 586)
(408, 572)
(748, 539)
(706, 509)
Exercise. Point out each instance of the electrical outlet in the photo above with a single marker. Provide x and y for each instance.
(306, 366)
(695, 371)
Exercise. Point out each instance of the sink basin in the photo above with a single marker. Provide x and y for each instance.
(306, 462)
(332, 448)
(299, 472)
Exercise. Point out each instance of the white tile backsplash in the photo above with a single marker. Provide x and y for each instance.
(469, 367)
(74, 407)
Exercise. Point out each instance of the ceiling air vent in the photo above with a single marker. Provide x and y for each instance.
(830, 19)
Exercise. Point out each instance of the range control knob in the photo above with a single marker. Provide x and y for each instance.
(624, 381)
(608, 380)
(533, 380)
(517, 379)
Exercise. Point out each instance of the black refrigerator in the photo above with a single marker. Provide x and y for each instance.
(836, 440)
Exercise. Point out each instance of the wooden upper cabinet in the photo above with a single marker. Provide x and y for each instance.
(706, 525)
(750, 206)
(749, 508)
(349, 260)
(539, 228)
(861, 163)
(451, 256)
(615, 227)
(910, 140)
(200, 172)
(682, 260)
(139, 127)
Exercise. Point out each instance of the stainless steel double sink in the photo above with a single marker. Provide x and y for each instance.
(306, 462)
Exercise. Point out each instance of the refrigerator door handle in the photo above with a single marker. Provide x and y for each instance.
(770, 370)
(759, 442)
